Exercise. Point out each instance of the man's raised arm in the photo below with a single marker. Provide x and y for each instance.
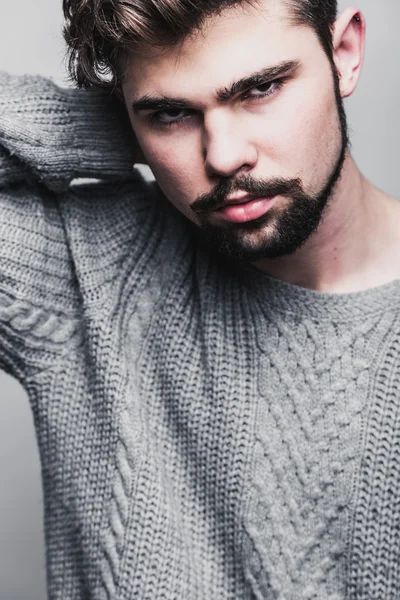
(54, 135)
(49, 137)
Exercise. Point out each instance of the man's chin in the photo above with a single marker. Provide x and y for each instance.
(243, 246)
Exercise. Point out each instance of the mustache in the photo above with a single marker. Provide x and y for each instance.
(216, 198)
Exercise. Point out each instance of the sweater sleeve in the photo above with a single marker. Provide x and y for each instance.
(48, 137)
(53, 135)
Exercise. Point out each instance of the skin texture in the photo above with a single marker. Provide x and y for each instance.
(293, 134)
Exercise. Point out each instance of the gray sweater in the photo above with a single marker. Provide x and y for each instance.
(206, 432)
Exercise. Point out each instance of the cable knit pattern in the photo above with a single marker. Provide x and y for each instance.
(306, 446)
(375, 557)
(205, 431)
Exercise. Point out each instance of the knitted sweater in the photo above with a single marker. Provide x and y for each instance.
(206, 432)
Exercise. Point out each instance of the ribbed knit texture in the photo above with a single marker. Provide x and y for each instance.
(206, 432)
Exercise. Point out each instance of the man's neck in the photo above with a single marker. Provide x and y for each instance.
(357, 245)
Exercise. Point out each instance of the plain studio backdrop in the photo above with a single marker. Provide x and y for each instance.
(30, 42)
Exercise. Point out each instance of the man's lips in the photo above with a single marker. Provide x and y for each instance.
(244, 208)
(236, 199)
(239, 198)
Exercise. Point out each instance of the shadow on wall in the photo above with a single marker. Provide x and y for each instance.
(22, 568)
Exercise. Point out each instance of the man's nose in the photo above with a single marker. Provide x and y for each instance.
(227, 147)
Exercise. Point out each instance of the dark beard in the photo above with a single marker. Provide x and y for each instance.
(291, 228)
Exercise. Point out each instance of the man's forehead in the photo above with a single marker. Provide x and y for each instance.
(235, 45)
(219, 26)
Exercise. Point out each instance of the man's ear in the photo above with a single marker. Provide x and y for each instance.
(348, 48)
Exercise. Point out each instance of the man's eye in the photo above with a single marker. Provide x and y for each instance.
(168, 117)
(265, 89)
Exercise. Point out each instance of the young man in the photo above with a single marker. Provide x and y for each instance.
(213, 368)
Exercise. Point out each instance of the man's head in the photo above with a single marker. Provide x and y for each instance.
(99, 32)
(231, 102)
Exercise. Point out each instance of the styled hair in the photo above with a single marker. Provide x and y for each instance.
(100, 32)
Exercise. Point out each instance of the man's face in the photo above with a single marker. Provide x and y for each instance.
(243, 128)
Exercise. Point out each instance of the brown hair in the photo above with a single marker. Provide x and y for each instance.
(99, 32)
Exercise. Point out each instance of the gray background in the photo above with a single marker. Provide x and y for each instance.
(30, 42)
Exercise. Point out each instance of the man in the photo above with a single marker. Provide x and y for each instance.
(213, 369)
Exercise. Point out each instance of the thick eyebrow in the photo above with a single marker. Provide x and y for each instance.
(258, 78)
(149, 102)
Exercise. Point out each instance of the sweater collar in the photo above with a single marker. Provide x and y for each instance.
(283, 297)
